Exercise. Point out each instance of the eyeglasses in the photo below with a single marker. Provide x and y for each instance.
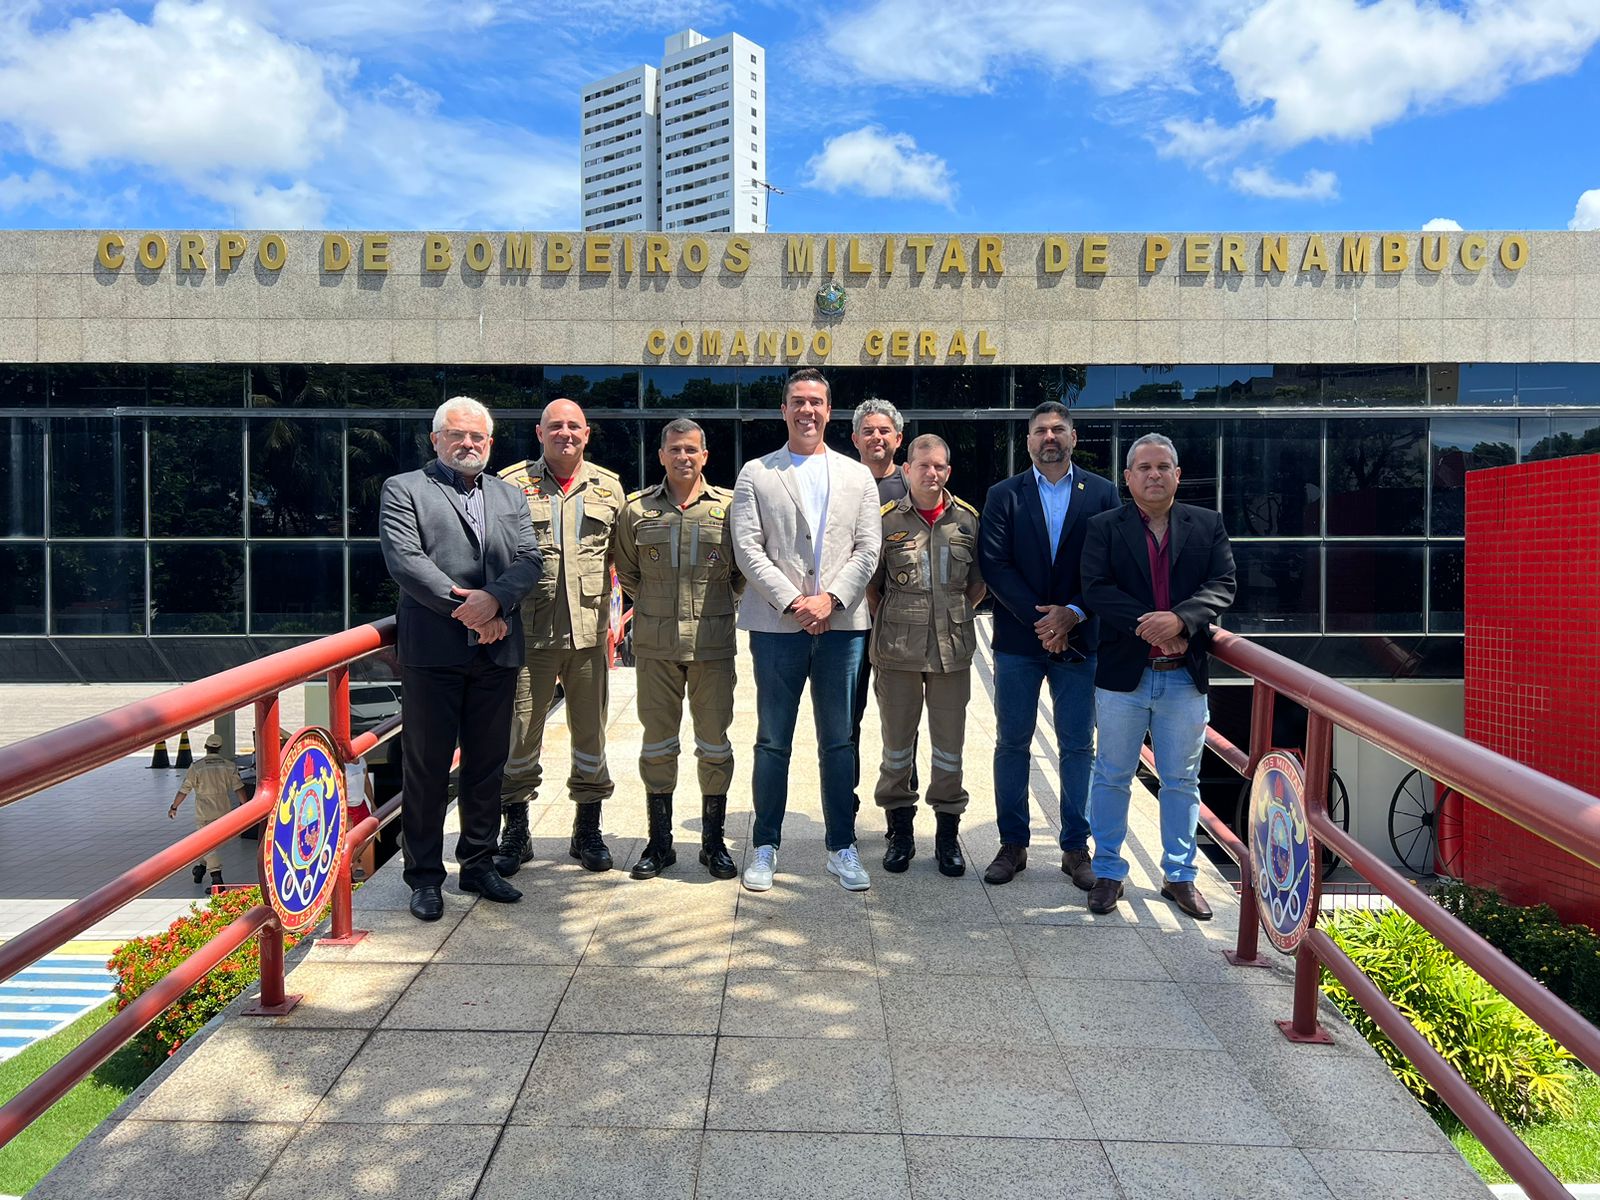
(465, 435)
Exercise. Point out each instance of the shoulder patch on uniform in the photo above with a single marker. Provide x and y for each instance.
(632, 496)
(899, 535)
(888, 508)
(718, 512)
(515, 469)
(608, 474)
(960, 503)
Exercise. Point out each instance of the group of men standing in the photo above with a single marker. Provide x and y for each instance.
(839, 571)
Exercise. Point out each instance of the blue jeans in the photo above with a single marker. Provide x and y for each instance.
(783, 664)
(1168, 706)
(1017, 680)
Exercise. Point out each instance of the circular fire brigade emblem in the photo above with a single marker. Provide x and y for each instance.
(1283, 852)
(831, 300)
(305, 831)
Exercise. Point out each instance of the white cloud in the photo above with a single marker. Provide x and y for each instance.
(1587, 214)
(875, 162)
(1260, 181)
(39, 187)
(1441, 225)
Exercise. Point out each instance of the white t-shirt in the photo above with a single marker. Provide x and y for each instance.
(811, 479)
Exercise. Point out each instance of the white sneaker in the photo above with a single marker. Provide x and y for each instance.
(846, 864)
(758, 875)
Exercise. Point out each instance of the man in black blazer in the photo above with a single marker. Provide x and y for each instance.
(1029, 546)
(1157, 573)
(461, 545)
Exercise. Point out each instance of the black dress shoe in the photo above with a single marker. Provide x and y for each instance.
(1103, 896)
(427, 904)
(1006, 864)
(486, 882)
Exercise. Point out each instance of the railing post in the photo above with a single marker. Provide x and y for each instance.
(344, 932)
(273, 1002)
(1263, 703)
(339, 709)
(1303, 1026)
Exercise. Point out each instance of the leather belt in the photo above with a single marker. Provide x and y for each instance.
(1166, 664)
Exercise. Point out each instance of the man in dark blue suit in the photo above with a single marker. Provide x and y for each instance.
(460, 543)
(1030, 544)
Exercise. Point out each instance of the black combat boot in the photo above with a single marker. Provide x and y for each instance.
(587, 846)
(199, 872)
(216, 879)
(947, 844)
(902, 842)
(658, 853)
(516, 846)
(714, 855)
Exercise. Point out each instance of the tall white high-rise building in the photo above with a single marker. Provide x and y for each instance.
(683, 147)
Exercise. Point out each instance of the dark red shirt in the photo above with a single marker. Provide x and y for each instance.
(564, 484)
(1160, 569)
(930, 515)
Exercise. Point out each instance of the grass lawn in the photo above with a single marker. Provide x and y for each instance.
(1571, 1149)
(49, 1139)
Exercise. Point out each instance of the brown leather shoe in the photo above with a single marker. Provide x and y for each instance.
(1006, 864)
(1103, 896)
(1187, 897)
(1080, 865)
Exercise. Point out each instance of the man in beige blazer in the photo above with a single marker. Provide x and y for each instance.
(806, 535)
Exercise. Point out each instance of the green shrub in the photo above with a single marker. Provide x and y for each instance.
(143, 962)
(1518, 1069)
(1565, 958)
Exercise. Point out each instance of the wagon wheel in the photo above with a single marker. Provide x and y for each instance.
(1412, 828)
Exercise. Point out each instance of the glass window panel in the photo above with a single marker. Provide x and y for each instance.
(296, 477)
(96, 483)
(959, 387)
(849, 386)
(1065, 385)
(1374, 588)
(1280, 386)
(1376, 470)
(197, 587)
(761, 388)
(373, 594)
(394, 386)
(499, 388)
(196, 477)
(1447, 574)
(690, 387)
(297, 587)
(1388, 386)
(1476, 384)
(1533, 434)
(320, 385)
(21, 477)
(1165, 387)
(1197, 455)
(1094, 451)
(593, 387)
(722, 440)
(1272, 478)
(99, 386)
(1566, 437)
(1460, 445)
(1246, 385)
(97, 588)
(613, 444)
(1280, 588)
(199, 386)
(22, 589)
(978, 454)
(1549, 384)
(765, 435)
(23, 386)
(377, 450)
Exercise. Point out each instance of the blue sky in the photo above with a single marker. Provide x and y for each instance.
(882, 114)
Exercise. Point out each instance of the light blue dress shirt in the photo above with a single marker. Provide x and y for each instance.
(1056, 498)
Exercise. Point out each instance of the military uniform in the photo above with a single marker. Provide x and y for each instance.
(678, 566)
(564, 623)
(923, 640)
(213, 780)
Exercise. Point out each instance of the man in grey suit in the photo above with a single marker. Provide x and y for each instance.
(461, 545)
(806, 535)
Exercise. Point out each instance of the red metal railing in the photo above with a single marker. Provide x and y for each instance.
(1562, 815)
(38, 763)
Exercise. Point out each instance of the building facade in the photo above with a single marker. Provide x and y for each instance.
(679, 148)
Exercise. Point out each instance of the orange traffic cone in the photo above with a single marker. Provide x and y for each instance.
(159, 760)
(185, 755)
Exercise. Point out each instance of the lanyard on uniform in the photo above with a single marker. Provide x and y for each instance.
(694, 544)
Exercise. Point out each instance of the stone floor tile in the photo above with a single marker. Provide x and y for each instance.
(431, 1077)
(694, 895)
(663, 939)
(1380, 1175)
(243, 1072)
(977, 1091)
(1087, 953)
(454, 996)
(612, 1081)
(1005, 1168)
(1151, 1016)
(365, 1162)
(528, 932)
(660, 1000)
(1171, 1171)
(342, 995)
(1245, 1018)
(774, 941)
(934, 900)
(1172, 1096)
(794, 1085)
(1310, 1092)
(932, 949)
(816, 1004)
(1048, 898)
(961, 1008)
(398, 937)
(1193, 957)
(802, 888)
(580, 1164)
(803, 1166)
(166, 1160)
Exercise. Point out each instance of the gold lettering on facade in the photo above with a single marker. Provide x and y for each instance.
(1473, 247)
(1357, 258)
(794, 344)
(1232, 254)
(736, 257)
(696, 255)
(821, 343)
(1393, 254)
(480, 252)
(888, 257)
(1096, 254)
(927, 344)
(1514, 252)
(1196, 254)
(854, 264)
(873, 344)
(1156, 249)
(799, 259)
(1275, 254)
(900, 344)
(597, 254)
(958, 345)
(272, 252)
(1435, 251)
(1056, 255)
(519, 252)
(152, 251)
(710, 343)
(335, 252)
(767, 344)
(833, 259)
(740, 345)
(191, 252)
(989, 256)
(655, 342)
(558, 254)
(230, 249)
(436, 254)
(683, 343)
(1316, 256)
(985, 350)
(657, 255)
(920, 248)
(627, 255)
(375, 252)
(955, 258)
(109, 253)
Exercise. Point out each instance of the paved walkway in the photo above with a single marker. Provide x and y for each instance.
(48, 996)
(931, 1038)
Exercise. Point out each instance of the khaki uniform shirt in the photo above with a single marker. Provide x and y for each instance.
(678, 566)
(924, 622)
(570, 607)
(214, 778)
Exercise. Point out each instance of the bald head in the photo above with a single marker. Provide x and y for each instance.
(563, 432)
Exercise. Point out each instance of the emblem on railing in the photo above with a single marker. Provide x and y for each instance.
(1283, 852)
(305, 831)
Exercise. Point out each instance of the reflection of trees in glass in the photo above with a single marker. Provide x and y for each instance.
(374, 451)
(399, 386)
(21, 476)
(518, 387)
(295, 477)
(1575, 439)
(197, 588)
(97, 588)
(22, 589)
(198, 386)
(196, 477)
(372, 593)
(1035, 385)
(297, 588)
(297, 387)
(97, 482)
(959, 388)
(1376, 469)
(593, 389)
(697, 391)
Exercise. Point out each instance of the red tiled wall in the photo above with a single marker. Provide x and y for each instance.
(1533, 663)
